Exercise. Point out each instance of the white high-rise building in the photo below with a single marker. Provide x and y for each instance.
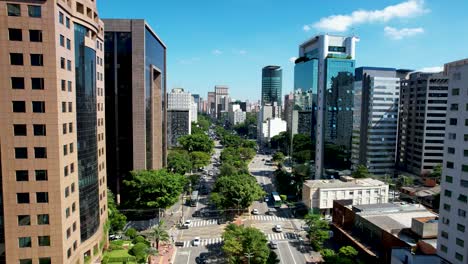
(180, 108)
(452, 243)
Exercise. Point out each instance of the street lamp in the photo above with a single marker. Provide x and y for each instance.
(249, 255)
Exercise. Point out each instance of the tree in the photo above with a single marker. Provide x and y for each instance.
(348, 251)
(159, 234)
(139, 250)
(278, 157)
(240, 240)
(178, 161)
(361, 172)
(131, 233)
(196, 129)
(436, 172)
(272, 258)
(302, 156)
(236, 191)
(318, 230)
(154, 188)
(199, 159)
(117, 220)
(404, 181)
(197, 142)
(346, 255)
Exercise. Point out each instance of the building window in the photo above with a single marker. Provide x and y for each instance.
(14, 10)
(69, 67)
(43, 219)
(61, 17)
(447, 207)
(451, 150)
(458, 256)
(69, 86)
(37, 60)
(62, 63)
(17, 82)
(25, 261)
(462, 198)
(22, 198)
(461, 228)
(24, 220)
(464, 168)
(67, 192)
(462, 213)
(24, 242)
(68, 232)
(65, 150)
(65, 171)
(64, 107)
(19, 106)
(453, 121)
(449, 164)
(39, 130)
(21, 153)
(460, 242)
(72, 168)
(64, 129)
(444, 234)
(20, 130)
(443, 248)
(68, 44)
(70, 127)
(62, 40)
(35, 35)
(16, 59)
(70, 107)
(75, 245)
(67, 22)
(452, 136)
(74, 226)
(40, 152)
(72, 187)
(456, 91)
(43, 241)
(34, 11)
(69, 253)
(38, 106)
(15, 34)
(45, 261)
(41, 175)
(449, 179)
(63, 85)
(22, 175)
(37, 83)
(73, 207)
(448, 193)
(42, 197)
(71, 148)
(67, 212)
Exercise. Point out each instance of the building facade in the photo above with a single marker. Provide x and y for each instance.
(52, 148)
(272, 82)
(422, 122)
(326, 66)
(222, 100)
(135, 59)
(270, 128)
(211, 104)
(236, 114)
(319, 194)
(180, 107)
(375, 124)
(452, 239)
(303, 114)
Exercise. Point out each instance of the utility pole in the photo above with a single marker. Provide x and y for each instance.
(249, 255)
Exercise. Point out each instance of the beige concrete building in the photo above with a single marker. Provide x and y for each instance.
(319, 194)
(52, 141)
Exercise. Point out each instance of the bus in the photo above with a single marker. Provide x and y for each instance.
(194, 199)
(276, 200)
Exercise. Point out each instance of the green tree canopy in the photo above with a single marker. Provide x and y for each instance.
(436, 172)
(178, 161)
(159, 234)
(154, 188)
(236, 191)
(278, 157)
(318, 230)
(361, 172)
(199, 159)
(197, 142)
(117, 220)
(240, 240)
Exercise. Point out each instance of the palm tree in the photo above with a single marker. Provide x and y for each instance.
(159, 234)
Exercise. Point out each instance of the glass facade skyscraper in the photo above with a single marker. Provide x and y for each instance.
(272, 82)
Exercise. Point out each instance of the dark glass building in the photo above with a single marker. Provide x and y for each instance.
(272, 80)
(135, 59)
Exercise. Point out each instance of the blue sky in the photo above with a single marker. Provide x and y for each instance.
(229, 41)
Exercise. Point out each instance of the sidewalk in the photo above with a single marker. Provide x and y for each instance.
(166, 253)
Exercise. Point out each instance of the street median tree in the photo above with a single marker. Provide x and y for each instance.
(240, 241)
(236, 191)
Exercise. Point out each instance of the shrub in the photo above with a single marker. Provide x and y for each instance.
(140, 239)
(131, 232)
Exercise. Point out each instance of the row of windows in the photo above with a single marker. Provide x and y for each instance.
(16, 34)
(68, 148)
(41, 197)
(451, 165)
(66, 85)
(39, 153)
(62, 42)
(66, 170)
(65, 126)
(15, 10)
(64, 20)
(69, 189)
(37, 83)
(42, 241)
(64, 107)
(454, 121)
(458, 256)
(23, 175)
(22, 130)
(100, 92)
(20, 106)
(35, 59)
(68, 64)
(100, 76)
(25, 220)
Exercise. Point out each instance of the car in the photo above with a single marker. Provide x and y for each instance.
(278, 228)
(255, 211)
(187, 224)
(267, 199)
(196, 241)
(271, 211)
(273, 244)
(115, 237)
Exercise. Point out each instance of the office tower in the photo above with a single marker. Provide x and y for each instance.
(423, 109)
(193, 110)
(302, 117)
(326, 66)
(375, 124)
(179, 115)
(222, 100)
(135, 97)
(211, 101)
(52, 156)
(196, 98)
(288, 109)
(272, 81)
(452, 242)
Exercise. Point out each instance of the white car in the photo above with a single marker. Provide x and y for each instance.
(278, 228)
(255, 211)
(187, 224)
(273, 244)
(196, 241)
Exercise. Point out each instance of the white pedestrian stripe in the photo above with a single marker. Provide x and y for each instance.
(268, 218)
(200, 223)
(282, 236)
(204, 242)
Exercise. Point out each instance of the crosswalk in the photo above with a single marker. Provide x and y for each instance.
(219, 241)
(268, 218)
(200, 223)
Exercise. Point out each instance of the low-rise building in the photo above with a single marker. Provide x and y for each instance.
(318, 195)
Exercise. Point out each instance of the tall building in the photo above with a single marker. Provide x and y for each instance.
(326, 66)
(272, 81)
(303, 117)
(288, 109)
(422, 122)
(452, 243)
(211, 102)
(179, 115)
(375, 127)
(52, 152)
(236, 114)
(135, 95)
(222, 100)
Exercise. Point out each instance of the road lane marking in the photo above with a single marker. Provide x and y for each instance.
(292, 256)
(188, 258)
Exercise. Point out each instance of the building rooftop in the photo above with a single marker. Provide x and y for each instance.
(346, 182)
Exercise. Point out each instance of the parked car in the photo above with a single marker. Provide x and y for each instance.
(115, 237)
(278, 228)
(273, 244)
(196, 241)
(255, 211)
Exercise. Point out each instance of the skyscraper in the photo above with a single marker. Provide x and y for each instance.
(222, 100)
(53, 156)
(179, 109)
(375, 124)
(452, 242)
(211, 104)
(272, 81)
(329, 61)
(422, 122)
(135, 96)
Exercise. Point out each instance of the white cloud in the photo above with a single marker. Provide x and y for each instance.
(217, 52)
(306, 28)
(340, 23)
(292, 59)
(397, 34)
(242, 52)
(188, 61)
(432, 69)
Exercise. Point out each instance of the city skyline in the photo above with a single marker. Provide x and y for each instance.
(269, 31)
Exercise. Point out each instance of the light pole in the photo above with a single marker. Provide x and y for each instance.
(249, 255)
